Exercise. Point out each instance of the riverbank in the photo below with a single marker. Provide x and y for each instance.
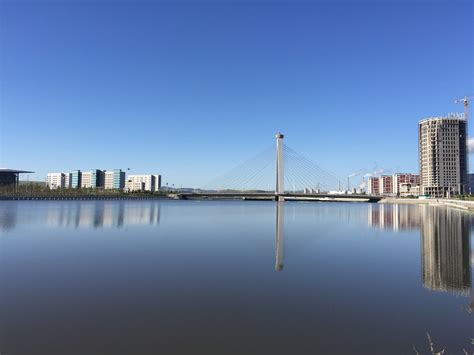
(464, 205)
(86, 198)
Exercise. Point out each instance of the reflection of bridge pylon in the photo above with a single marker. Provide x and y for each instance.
(279, 236)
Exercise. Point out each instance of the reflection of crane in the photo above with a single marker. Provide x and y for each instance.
(465, 101)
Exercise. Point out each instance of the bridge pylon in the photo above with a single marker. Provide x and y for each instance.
(280, 178)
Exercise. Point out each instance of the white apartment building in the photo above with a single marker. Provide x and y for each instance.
(67, 180)
(443, 155)
(134, 186)
(55, 181)
(109, 179)
(114, 179)
(149, 181)
(86, 179)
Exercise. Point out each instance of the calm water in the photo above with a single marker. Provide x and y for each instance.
(233, 277)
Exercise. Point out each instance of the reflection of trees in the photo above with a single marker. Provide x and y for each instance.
(445, 249)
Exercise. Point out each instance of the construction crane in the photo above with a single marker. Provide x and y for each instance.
(465, 101)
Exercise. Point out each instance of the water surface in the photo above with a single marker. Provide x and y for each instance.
(232, 277)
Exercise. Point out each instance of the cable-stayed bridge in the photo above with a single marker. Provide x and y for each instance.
(277, 173)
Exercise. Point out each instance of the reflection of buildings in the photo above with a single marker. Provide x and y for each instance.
(445, 249)
(8, 215)
(396, 217)
(445, 241)
(279, 236)
(90, 214)
(100, 214)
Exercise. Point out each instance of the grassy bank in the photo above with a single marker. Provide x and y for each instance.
(37, 191)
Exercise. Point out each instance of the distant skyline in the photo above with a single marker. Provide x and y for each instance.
(190, 89)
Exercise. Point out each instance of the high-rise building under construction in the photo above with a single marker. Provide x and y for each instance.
(443, 159)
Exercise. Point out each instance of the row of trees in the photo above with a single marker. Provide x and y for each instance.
(40, 190)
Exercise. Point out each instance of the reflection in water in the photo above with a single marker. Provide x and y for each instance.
(104, 215)
(445, 233)
(208, 273)
(101, 215)
(445, 242)
(8, 215)
(280, 211)
(396, 217)
(445, 248)
(87, 214)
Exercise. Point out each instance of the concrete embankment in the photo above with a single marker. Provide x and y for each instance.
(83, 198)
(464, 205)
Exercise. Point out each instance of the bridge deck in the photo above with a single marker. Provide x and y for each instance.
(286, 196)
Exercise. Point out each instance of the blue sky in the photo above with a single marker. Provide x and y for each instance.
(190, 89)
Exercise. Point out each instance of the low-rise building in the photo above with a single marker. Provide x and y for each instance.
(76, 179)
(55, 181)
(407, 189)
(134, 186)
(86, 180)
(67, 180)
(471, 183)
(390, 185)
(108, 179)
(157, 182)
(93, 179)
(404, 178)
(114, 179)
(10, 178)
(373, 185)
(386, 185)
(151, 182)
(97, 178)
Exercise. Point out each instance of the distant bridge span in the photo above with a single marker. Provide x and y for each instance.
(302, 180)
(271, 196)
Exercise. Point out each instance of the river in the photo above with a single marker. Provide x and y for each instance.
(233, 277)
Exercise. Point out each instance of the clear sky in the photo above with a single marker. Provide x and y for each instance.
(189, 89)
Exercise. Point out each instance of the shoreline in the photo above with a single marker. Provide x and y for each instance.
(460, 204)
(82, 198)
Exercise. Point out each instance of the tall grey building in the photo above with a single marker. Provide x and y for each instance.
(443, 155)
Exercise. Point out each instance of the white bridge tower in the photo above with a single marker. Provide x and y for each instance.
(280, 179)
